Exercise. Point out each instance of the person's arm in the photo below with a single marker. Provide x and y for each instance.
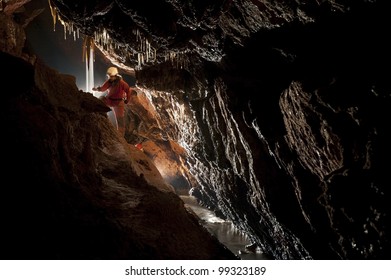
(126, 88)
(103, 87)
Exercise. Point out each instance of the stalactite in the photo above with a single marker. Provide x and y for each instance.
(54, 14)
(177, 59)
(88, 57)
(146, 53)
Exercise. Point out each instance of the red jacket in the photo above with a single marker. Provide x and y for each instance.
(118, 89)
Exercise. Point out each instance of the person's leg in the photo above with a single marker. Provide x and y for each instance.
(111, 114)
(120, 116)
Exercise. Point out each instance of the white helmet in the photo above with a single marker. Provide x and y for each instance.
(112, 71)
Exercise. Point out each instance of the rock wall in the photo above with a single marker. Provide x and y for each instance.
(280, 107)
(73, 188)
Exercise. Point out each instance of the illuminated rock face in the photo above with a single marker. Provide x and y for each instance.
(76, 189)
(280, 109)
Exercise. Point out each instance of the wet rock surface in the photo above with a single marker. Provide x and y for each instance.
(274, 114)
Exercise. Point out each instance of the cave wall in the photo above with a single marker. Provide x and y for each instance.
(73, 188)
(280, 106)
